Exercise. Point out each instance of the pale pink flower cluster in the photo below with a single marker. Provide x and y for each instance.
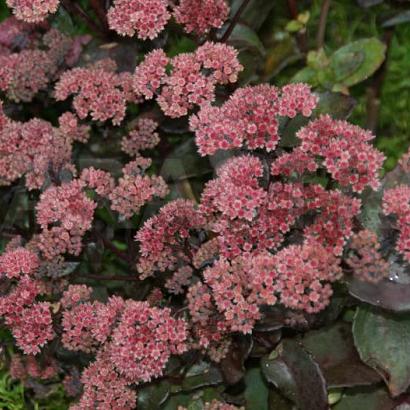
(396, 201)
(88, 324)
(335, 212)
(250, 117)
(34, 149)
(245, 216)
(74, 295)
(30, 321)
(297, 277)
(145, 339)
(206, 253)
(344, 149)
(233, 295)
(179, 280)
(144, 18)
(135, 189)
(100, 181)
(33, 327)
(33, 11)
(164, 237)
(104, 388)
(365, 259)
(142, 137)
(304, 273)
(192, 79)
(23, 74)
(100, 93)
(199, 16)
(134, 341)
(23, 367)
(18, 262)
(15, 34)
(72, 129)
(404, 162)
(65, 214)
(77, 323)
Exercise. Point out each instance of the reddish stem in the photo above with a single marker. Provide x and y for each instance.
(99, 9)
(234, 21)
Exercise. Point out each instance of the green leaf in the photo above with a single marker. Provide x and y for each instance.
(382, 340)
(338, 105)
(233, 364)
(365, 399)
(386, 294)
(244, 37)
(153, 395)
(256, 391)
(345, 61)
(333, 349)
(201, 375)
(298, 377)
(256, 12)
(403, 17)
(306, 75)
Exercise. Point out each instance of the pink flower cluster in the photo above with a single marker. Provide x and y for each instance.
(344, 149)
(18, 262)
(151, 336)
(23, 74)
(142, 137)
(365, 260)
(104, 388)
(396, 201)
(164, 237)
(297, 277)
(15, 34)
(304, 272)
(179, 280)
(192, 80)
(29, 321)
(100, 181)
(144, 18)
(33, 11)
(34, 149)
(334, 211)
(133, 341)
(100, 93)
(135, 189)
(250, 117)
(199, 16)
(245, 216)
(23, 367)
(64, 213)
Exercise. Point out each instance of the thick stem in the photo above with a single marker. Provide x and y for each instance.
(321, 32)
(374, 91)
(235, 20)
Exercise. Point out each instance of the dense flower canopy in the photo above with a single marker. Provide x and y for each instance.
(165, 206)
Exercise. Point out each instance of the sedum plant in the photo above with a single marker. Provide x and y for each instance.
(129, 286)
